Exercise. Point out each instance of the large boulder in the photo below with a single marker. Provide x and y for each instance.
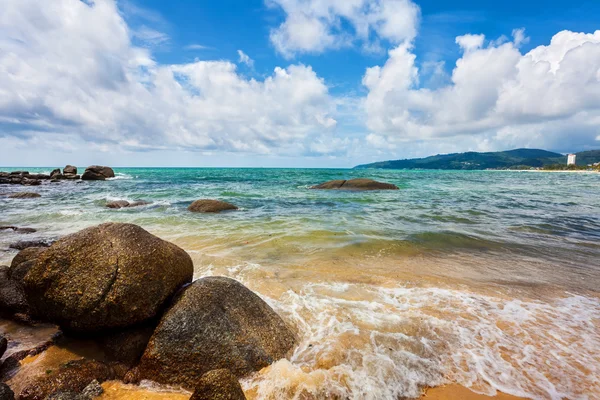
(97, 173)
(219, 384)
(55, 172)
(74, 376)
(106, 277)
(210, 206)
(23, 262)
(3, 345)
(355, 184)
(214, 323)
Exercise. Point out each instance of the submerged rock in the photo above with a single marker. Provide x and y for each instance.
(24, 195)
(219, 384)
(16, 229)
(355, 184)
(73, 377)
(97, 173)
(214, 323)
(210, 206)
(106, 277)
(125, 204)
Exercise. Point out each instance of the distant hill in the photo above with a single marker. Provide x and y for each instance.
(519, 158)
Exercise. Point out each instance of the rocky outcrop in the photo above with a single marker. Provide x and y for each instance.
(22, 178)
(125, 204)
(55, 172)
(214, 323)
(97, 173)
(74, 377)
(106, 277)
(356, 185)
(24, 195)
(210, 206)
(219, 384)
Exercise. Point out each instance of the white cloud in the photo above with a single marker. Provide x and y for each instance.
(245, 59)
(499, 97)
(149, 36)
(313, 26)
(69, 68)
(470, 42)
(196, 46)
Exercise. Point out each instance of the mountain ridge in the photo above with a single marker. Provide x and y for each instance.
(510, 159)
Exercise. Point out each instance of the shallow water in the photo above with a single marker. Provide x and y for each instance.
(486, 279)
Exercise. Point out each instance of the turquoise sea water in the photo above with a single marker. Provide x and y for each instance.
(361, 272)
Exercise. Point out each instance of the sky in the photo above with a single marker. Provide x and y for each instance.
(293, 83)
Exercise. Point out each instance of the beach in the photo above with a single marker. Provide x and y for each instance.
(460, 284)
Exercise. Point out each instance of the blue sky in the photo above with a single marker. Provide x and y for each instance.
(293, 82)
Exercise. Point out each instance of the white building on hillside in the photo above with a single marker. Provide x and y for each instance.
(572, 159)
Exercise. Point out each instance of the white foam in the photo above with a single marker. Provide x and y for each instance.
(366, 342)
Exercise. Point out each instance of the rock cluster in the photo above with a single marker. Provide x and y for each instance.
(130, 292)
(92, 173)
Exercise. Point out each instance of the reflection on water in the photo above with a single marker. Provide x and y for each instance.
(485, 279)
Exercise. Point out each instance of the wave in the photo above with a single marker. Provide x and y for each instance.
(367, 342)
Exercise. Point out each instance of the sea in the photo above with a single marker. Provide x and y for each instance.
(485, 279)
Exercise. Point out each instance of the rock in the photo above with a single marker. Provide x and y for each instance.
(55, 172)
(17, 229)
(214, 323)
(92, 390)
(70, 170)
(355, 184)
(219, 384)
(6, 392)
(25, 244)
(106, 277)
(19, 173)
(125, 204)
(24, 195)
(30, 182)
(67, 396)
(12, 295)
(23, 262)
(97, 173)
(3, 346)
(71, 177)
(73, 376)
(210, 206)
(38, 176)
(126, 346)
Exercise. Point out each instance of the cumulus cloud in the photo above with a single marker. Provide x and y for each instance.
(497, 96)
(69, 67)
(313, 26)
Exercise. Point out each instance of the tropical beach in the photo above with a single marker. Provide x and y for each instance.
(299, 200)
(482, 279)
